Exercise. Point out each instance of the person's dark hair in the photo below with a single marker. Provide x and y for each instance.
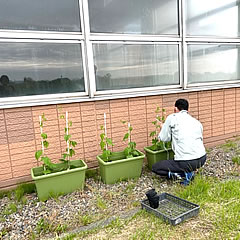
(182, 104)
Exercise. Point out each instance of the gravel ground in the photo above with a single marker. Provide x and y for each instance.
(97, 201)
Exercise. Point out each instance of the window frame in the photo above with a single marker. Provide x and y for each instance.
(87, 39)
(49, 97)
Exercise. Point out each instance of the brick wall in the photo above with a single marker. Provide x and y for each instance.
(20, 134)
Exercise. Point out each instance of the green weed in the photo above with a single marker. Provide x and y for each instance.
(101, 204)
(85, 219)
(229, 145)
(10, 209)
(236, 160)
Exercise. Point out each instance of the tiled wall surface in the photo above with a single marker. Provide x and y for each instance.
(218, 111)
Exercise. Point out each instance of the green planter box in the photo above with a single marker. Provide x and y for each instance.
(59, 182)
(156, 156)
(121, 168)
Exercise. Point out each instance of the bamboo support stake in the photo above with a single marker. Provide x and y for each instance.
(41, 130)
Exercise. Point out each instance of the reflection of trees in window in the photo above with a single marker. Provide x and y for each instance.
(6, 88)
(31, 87)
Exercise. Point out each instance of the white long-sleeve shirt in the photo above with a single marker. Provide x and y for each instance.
(186, 134)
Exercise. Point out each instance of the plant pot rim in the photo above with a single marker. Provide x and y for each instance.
(120, 160)
(155, 152)
(84, 167)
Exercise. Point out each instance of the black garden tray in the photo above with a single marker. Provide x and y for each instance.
(172, 209)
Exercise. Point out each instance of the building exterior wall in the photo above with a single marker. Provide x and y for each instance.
(217, 110)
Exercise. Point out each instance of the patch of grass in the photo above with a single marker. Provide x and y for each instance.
(208, 150)
(219, 216)
(236, 160)
(85, 219)
(101, 204)
(229, 145)
(3, 232)
(129, 188)
(44, 226)
(4, 193)
(10, 209)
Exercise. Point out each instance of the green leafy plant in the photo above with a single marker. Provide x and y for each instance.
(105, 142)
(40, 154)
(70, 143)
(156, 143)
(130, 151)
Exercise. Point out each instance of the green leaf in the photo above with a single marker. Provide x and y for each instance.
(62, 160)
(152, 134)
(157, 110)
(125, 136)
(154, 141)
(109, 141)
(43, 117)
(67, 137)
(135, 153)
(132, 145)
(38, 154)
(45, 144)
(130, 128)
(102, 145)
(65, 155)
(154, 122)
(73, 143)
(62, 117)
(101, 127)
(102, 136)
(44, 135)
(47, 171)
(70, 123)
(122, 121)
(163, 110)
(48, 162)
(71, 152)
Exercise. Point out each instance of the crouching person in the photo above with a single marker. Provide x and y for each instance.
(186, 134)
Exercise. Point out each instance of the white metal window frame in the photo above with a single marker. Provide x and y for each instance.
(28, 100)
(213, 83)
(86, 39)
(139, 89)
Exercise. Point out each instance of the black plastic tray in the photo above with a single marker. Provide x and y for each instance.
(172, 209)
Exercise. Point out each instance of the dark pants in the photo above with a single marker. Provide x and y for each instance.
(163, 167)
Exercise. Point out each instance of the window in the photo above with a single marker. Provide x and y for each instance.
(40, 15)
(66, 50)
(134, 17)
(213, 18)
(213, 63)
(121, 66)
(40, 68)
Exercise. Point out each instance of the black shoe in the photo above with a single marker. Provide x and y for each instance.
(153, 198)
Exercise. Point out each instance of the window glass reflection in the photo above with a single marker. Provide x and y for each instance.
(40, 15)
(125, 66)
(211, 63)
(213, 18)
(40, 68)
(135, 16)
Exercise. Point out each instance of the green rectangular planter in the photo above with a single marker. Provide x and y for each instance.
(120, 169)
(156, 156)
(59, 182)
